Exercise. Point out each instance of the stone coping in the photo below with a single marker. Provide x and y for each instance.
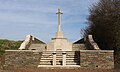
(22, 51)
(61, 51)
(96, 50)
(36, 51)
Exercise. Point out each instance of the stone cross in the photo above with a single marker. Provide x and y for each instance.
(59, 20)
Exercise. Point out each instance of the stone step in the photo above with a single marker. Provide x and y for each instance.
(49, 52)
(61, 54)
(59, 63)
(49, 63)
(72, 58)
(72, 63)
(58, 54)
(60, 51)
(61, 66)
(59, 58)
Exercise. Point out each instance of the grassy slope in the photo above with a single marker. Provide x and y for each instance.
(12, 45)
(9, 45)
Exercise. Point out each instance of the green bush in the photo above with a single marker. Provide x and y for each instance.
(2, 52)
(9, 45)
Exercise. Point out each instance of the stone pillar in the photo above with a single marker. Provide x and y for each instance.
(54, 58)
(64, 59)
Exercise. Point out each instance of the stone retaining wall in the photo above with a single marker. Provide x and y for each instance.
(97, 59)
(2, 61)
(88, 59)
(21, 58)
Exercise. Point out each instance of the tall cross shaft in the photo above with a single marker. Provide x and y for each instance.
(59, 20)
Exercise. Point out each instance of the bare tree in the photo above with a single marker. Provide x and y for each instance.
(104, 25)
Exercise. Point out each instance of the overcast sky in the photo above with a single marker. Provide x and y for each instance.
(37, 17)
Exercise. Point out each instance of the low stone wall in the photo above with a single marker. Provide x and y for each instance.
(21, 58)
(97, 59)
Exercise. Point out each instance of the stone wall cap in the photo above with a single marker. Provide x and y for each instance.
(96, 50)
(22, 51)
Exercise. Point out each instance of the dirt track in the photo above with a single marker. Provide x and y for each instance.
(56, 70)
